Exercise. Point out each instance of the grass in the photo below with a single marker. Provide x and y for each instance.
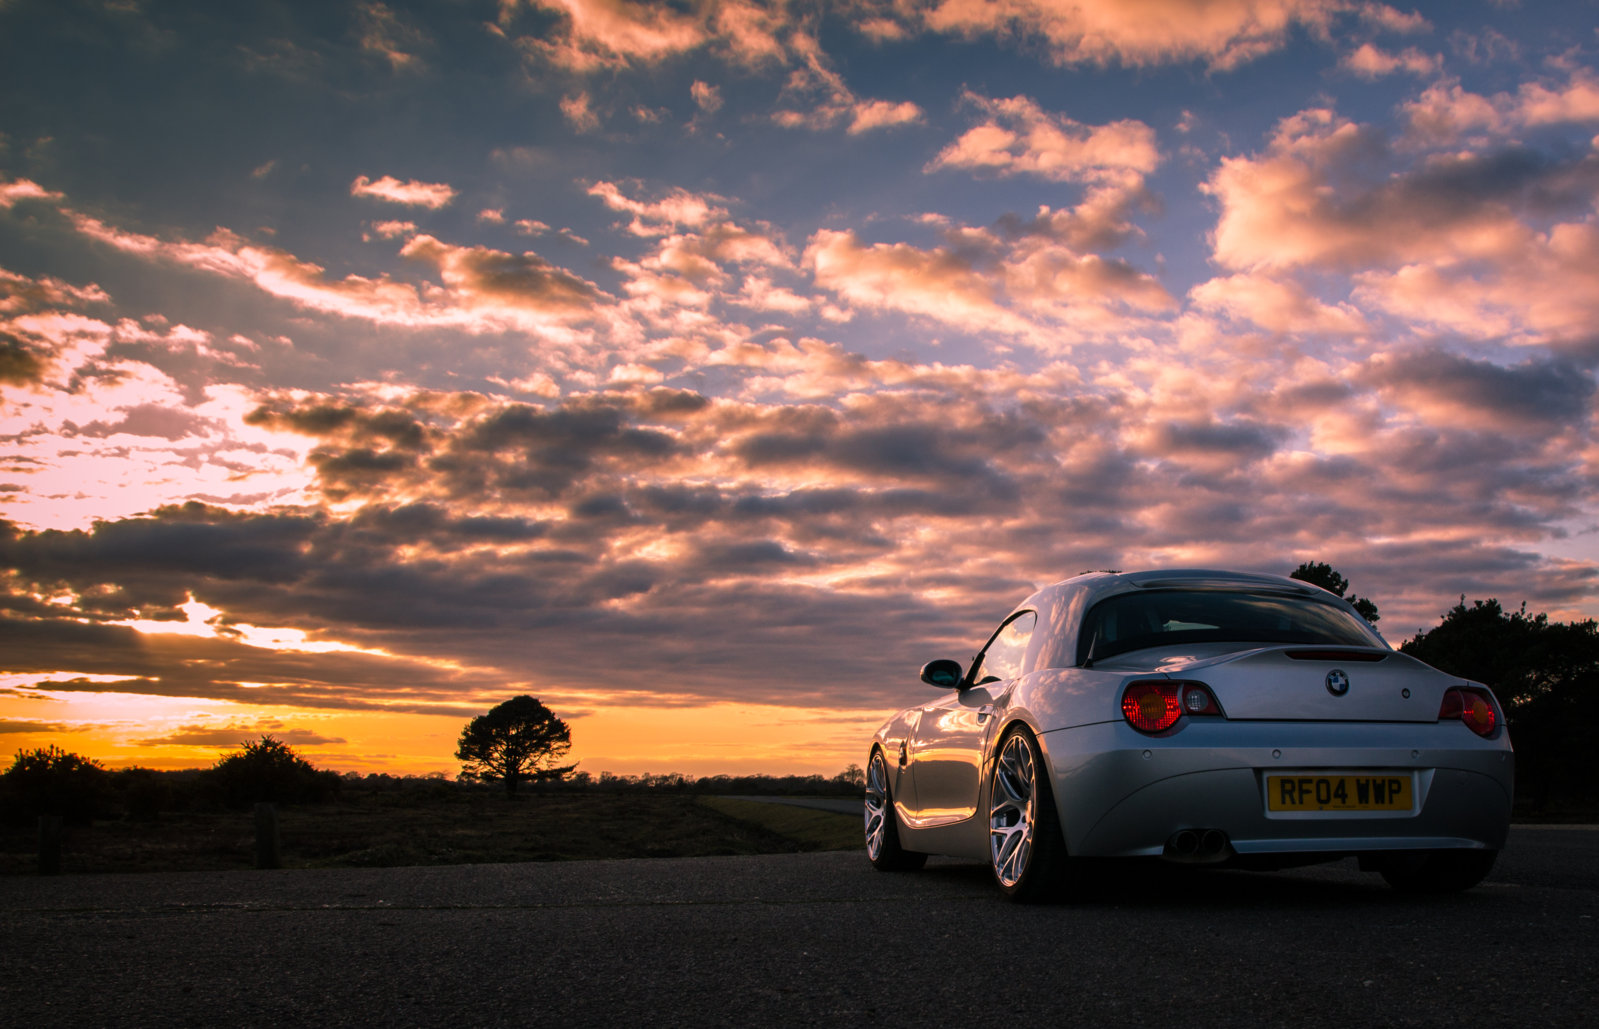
(812, 829)
(443, 827)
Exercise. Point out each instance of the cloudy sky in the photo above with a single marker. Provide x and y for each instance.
(702, 368)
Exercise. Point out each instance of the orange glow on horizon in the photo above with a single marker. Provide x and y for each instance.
(124, 729)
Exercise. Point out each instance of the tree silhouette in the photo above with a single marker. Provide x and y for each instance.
(519, 740)
(1324, 575)
(268, 769)
(52, 781)
(1546, 674)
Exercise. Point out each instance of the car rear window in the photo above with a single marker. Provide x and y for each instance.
(1160, 618)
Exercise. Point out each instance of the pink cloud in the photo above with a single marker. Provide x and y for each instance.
(1546, 289)
(1576, 100)
(11, 193)
(494, 282)
(1371, 62)
(1303, 202)
(1222, 33)
(1275, 304)
(750, 31)
(825, 102)
(414, 193)
(20, 293)
(1446, 113)
(600, 33)
(578, 108)
(1034, 289)
(867, 115)
(485, 290)
(393, 229)
(658, 218)
(390, 36)
(1020, 138)
(707, 97)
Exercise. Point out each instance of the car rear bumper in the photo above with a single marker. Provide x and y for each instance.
(1123, 794)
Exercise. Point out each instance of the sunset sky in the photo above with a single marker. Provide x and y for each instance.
(703, 368)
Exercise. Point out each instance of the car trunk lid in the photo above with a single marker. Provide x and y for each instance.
(1304, 682)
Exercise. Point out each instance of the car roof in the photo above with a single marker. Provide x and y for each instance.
(1063, 604)
(1099, 585)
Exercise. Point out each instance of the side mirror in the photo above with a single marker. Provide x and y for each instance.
(943, 673)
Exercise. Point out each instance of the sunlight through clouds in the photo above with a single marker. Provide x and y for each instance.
(704, 369)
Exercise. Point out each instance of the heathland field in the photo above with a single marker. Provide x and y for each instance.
(438, 823)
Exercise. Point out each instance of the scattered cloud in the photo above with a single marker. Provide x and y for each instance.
(706, 96)
(1018, 137)
(820, 99)
(579, 111)
(414, 193)
(1223, 34)
(18, 190)
(1370, 62)
(390, 35)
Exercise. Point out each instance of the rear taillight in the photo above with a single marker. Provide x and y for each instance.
(1154, 705)
(1471, 706)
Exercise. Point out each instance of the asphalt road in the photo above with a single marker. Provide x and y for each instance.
(809, 939)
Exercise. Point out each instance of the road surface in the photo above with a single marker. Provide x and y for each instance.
(806, 939)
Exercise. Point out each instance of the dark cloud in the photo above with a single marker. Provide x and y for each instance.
(146, 420)
(1459, 185)
(1534, 393)
(673, 548)
(519, 280)
(12, 726)
(1239, 440)
(19, 365)
(237, 735)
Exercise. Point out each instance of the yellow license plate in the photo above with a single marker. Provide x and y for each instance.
(1373, 791)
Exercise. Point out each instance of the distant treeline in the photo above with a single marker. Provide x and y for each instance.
(53, 782)
(1546, 675)
(848, 783)
(50, 781)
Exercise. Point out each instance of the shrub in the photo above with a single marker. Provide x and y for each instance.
(51, 781)
(268, 769)
(145, 792)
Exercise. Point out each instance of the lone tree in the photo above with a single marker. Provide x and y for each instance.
(519, 740)
(1322, 574)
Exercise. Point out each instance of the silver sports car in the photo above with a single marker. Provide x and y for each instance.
(1203, 717)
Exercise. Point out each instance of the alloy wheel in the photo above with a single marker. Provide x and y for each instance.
(1011, 816)
(876, 805)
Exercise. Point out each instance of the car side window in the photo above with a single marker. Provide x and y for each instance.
(1002, 659)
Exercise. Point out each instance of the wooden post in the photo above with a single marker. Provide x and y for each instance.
(49, 844)
(268, 852)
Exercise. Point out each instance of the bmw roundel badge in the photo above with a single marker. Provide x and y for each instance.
(1337, 682)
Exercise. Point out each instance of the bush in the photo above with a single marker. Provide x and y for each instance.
(145, 792)
(268, 769)
(50, 781)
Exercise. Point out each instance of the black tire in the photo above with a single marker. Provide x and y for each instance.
(882, 824)
(1438, 871)
(1027, 854)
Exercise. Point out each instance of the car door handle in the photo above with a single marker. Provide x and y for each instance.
(983, 713)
